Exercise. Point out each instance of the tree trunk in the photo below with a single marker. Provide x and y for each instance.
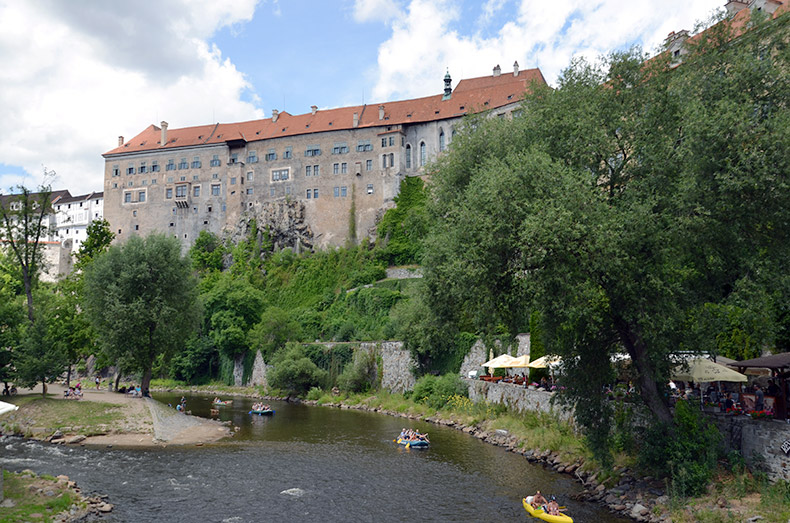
(28, 293)
(144, 386)
(117, 380)
(44, 387)
(647, 381)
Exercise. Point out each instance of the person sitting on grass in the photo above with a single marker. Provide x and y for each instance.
(538, 500)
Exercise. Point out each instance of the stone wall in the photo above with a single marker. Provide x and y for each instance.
(516, 398)
(479, 353)
(761, 442)
(401, 273)
(397, 365)
(259, 369)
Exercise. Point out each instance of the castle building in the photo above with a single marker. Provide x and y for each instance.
(73, 214)
(312, 180)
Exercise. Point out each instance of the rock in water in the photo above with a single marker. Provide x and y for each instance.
(295, 492)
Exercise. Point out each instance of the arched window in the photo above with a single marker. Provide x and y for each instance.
(422, 154)
(408, 156)
(392, 159)
(441, 140)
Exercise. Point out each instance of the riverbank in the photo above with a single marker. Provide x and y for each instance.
(541, 439)
(104, 418)
(29, 497)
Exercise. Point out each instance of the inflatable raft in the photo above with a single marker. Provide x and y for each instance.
(222, 403)
(417, 443)
(541, 514)
(266, 412)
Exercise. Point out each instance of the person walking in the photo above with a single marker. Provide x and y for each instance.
(759, 398)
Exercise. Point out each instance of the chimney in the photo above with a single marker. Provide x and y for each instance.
(515, 68)
(275, 114)
(163, 140)
(120, 141)
(381, 112)
(356, 119)
(497, 71)
(313, 109)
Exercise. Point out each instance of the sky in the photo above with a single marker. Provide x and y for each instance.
(75, 75)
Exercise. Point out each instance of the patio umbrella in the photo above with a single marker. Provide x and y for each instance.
(701, 370)
(499, 362)
(544, 362)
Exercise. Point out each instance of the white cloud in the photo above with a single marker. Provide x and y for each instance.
(375, 10)
(75, 75)
(411, 62)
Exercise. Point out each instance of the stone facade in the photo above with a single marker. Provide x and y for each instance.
(516, 398)
(397, 365)
(401, 273)
(762, 443)
(479, 354)
(341, 166)
(259, 369)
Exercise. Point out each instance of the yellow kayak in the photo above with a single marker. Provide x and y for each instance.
(541, 514)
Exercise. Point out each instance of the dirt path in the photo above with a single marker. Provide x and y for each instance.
(147, 423)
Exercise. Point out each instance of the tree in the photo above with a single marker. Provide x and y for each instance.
(233, 306)
(275, 328)
(98, 240)
(24, 225)
(141, 299)
(12, 318)
(207, 252)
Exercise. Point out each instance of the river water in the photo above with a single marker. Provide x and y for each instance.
(306, 464)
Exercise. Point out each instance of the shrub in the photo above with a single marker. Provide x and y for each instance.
(315, 393)
(435, 391)
(686, 452)
(294, 372)
(359, 374)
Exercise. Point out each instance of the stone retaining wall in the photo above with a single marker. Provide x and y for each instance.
(401, 273)
(516, 398)
(760, 442)
(397, 365)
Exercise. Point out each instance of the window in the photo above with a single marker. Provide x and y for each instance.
(196, 191)
(141, 196)
(171, 165)
(271, 155)
(143, 182)
(249, 176)
(364, 145)
(392, 159)
(116, 171)
(130, 184)
(234, 158)
(214, 176)
(516, 114)
(153, 181)
(384, 142)
(196, 163)
(143, 168)
(441, 140)
(368, 165)
(313, 150)
(115, 185)
(249, 190)
(130, 169)
(287, 189)
(252, 157)
(308, 170)
(169, 193)
(233, 180)
(309, 194)
(422, 154)
(315, 194)
(127, 197)
(195, 178)
(408, 156)
(370, 188)
(181, 191)
(343, 191)
(340, 148)
(280, 174)
(344, 168)
(183, 164)
(384, 161)
(315, 170)
(215, 189)
(271, 192)
(134, 213)
(392, 141)
(335, 168)
(182, 178)
(154, 166)
(214, 161)
(336, 190)
(288, 153)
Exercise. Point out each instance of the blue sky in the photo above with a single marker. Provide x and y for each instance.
(89, 71)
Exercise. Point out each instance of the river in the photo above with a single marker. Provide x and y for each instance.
(306, 464)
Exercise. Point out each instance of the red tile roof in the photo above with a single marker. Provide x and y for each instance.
(470, 95)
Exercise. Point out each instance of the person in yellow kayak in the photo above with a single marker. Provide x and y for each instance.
(538, 501)
(552, 507)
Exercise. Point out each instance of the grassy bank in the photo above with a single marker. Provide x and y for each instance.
(35, 498)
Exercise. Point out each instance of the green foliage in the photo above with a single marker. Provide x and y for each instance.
(359, 374)
(686, 452)
(402, 228)
(232, 307)
(435, 391)
(314, 393)
(333, 359)
(207, 252)
(275, 328)
(196, 362)
(98, 240)
(294, 372)
(142, 300)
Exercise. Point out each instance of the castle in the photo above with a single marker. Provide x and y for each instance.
(314, 180)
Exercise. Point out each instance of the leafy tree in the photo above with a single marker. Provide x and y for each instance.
(232, 306)
(98, 240)
(23, 226)
(294, 372)
(276, 328)
(141, 299)
(41, 355)
(207, 252)
(12, 319)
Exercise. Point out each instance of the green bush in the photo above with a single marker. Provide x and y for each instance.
(294, 372)
(315, 393)
(434, 391)
(359, 374)
(685, 452)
